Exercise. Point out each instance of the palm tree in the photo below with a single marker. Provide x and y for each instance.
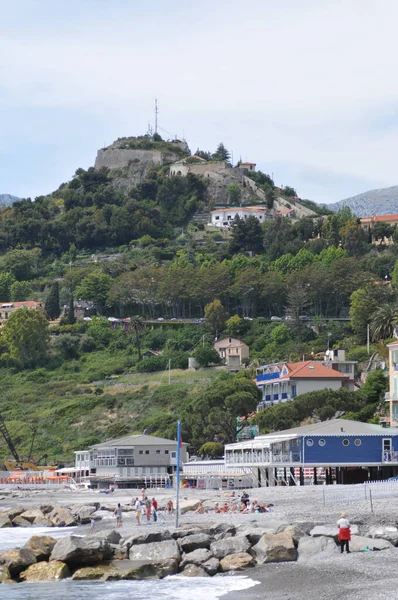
(383, 323)
(137, 325)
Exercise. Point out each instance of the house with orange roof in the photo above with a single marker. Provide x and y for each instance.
(232, 351)
(369, 224)
(281, 382)
(249, 166)
(392, 394)
(7, 308)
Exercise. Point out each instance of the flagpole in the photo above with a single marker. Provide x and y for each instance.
(178, 471)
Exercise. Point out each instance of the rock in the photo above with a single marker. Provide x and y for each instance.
(194, 571)
(46, 508)
(153, 535)
(32, 514)
(222, 528)
(150, 570)
(296, 533)
(155, 551)
(5, 522)
(21, 522)
(17, 560)
(188, 505)
(83, 514)
(275, 547)
(112, 537)
(5, 576)
(313, 545)
(223, 536)
(183, 532)
(41, 546)
(81, 551)
(193, 542)
(42, 522)
(197, 557)
(331, 531)
(211, 566)
(358, 543)
(231, 545)
(119, 552)
(14, 512)
(389, 533)
(102, 572)
(237, 562)
(62, 517)
(44, 571)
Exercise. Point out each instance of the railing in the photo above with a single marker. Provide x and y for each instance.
(389, 457)
(265, 458)
(373, 490)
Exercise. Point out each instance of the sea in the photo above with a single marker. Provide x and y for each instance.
(171, 588)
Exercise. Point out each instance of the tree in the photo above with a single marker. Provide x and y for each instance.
(221, 153)
(212, 450)
(137, 325)
(95, 287)
(364, 302)
(206, 355)
(215, 315)
(235, 326)
(375, 386)
(270, 197)
(354, 238)
(19, 291)
(6, 281)
(22, 263)
(234, 193)
(383, 322)
(25, 337)
(247, 235)
(298, 298)
(52, 309)
(289, 191)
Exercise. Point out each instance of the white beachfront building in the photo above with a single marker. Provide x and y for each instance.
(224, 217)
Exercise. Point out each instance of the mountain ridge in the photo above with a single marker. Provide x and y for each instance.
(7, 199)
(381, 201)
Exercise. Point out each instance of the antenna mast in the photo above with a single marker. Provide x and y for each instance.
(156, 115)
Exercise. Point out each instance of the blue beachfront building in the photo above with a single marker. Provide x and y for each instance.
(337, 450)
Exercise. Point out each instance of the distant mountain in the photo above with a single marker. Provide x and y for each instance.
(7, 199)
(374, 202)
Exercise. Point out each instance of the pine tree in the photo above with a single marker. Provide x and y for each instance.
(221, 153)
(71, 311)
(52, 303)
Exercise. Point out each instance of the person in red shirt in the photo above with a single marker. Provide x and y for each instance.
(155, 509)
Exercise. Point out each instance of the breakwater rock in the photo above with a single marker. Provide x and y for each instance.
(192, 551)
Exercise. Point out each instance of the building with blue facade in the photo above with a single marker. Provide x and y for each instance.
(343, 451)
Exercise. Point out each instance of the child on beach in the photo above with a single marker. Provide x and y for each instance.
(118, 514)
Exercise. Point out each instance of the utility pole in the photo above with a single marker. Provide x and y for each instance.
(368, 338)
(203, 341)
(156, 115)
(169, 369)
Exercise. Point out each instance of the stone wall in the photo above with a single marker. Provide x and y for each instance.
(182, 168)
(117, 158)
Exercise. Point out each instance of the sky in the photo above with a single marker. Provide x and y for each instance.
(306, 89)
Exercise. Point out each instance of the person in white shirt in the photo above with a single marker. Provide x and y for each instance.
(137, 511)
(344, 533)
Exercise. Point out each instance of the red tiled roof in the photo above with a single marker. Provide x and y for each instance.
(27, 303)
(392, 343)
(247, 163)
(311, 369)
(380, 218)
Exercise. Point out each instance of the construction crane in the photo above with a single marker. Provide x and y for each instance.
(17, 463)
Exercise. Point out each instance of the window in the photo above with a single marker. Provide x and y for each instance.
(357, 442)
(173, 455)
(166, 451)
(217, 218)
(346, 442)
(146, 451)
(140, 452)
(310, 442)
(157, 451)
(322, 442)
(237, 350)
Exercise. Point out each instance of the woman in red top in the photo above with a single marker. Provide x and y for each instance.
(344, 533)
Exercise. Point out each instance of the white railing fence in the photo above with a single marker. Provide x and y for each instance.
(363, 492)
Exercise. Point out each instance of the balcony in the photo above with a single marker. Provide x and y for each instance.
(390, 457)
(265, 458)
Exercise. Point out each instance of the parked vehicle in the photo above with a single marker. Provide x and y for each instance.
(304, 318)
(275, 318)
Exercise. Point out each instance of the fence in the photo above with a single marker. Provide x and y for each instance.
(363, 492)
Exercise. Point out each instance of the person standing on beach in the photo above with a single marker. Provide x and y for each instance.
(155, 509)
(147, 509)
(344, 533)
(118, 515)
(137, 507)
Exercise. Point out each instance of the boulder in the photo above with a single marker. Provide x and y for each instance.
(62, 517)
(119, 552)
(194, 571)
(188, 506)
(41, 546)
(155, 552)
(314, 545)
(112, 537)
(21, 522)
(44, 571)
(31, 514)
(222, 528)
(231, 545)
(197, 557)
(184, 532)
(146, 537)
(99, 572)
(14, 512)
(81, 551)
(42, 522)
(296, 532)
(275, 547)
(389, 533)
(211, 566)
(358, 543)
(5, 576)
(84, 513)
(237, 562)
(46, 508)
(5, 522)
(193, 542)
(17, 560)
